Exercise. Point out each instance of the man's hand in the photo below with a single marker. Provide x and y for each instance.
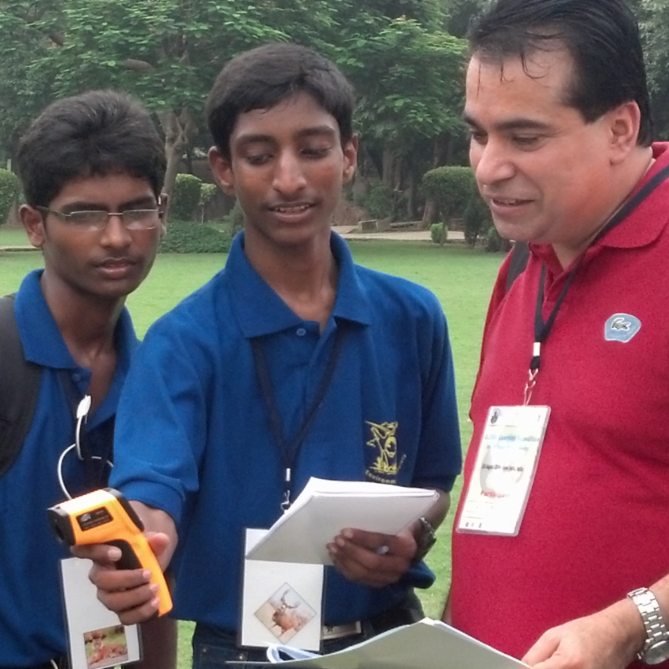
(371, 558)
(608, 639)
(127, 592)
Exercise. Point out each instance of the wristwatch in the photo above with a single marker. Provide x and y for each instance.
(425, 539)
(656, 646)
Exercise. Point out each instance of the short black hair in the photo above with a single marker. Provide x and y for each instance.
(264, 76)
(602, 37)
(95, 133)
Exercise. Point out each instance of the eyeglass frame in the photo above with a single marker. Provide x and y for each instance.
(99, 226)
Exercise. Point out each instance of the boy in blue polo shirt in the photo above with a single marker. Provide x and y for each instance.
(292, 360)
(82, 158)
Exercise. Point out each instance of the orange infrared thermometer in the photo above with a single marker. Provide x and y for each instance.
(105, 517)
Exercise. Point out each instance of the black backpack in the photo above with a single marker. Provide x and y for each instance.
(19, 387)
(520, 254)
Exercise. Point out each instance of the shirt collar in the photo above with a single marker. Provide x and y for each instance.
(645, 224)
(641, 228)
(41, 338)
(260, 311)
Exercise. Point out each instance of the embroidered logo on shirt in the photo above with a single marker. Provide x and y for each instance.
(621, 327)
(385, 467)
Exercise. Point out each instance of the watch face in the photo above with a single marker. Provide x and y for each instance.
(657, 653)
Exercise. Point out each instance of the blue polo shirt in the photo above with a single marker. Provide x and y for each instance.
(31, 613)
(193, 436)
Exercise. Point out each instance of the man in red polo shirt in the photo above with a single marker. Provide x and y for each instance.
(560, 549)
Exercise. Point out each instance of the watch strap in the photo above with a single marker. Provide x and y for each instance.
(425, 539)
(656, 646)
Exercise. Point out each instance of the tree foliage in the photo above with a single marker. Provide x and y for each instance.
(406, 68)
(451, 187)
(185, 197)
(9, 192)
(653, 20)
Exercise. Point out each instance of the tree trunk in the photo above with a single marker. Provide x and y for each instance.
(388, 172)
(430, 214)
(412, 193)
(179, 130)
(441, 150)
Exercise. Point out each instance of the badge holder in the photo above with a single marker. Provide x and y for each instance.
(281, 601)
(96, 637)
(504, 470)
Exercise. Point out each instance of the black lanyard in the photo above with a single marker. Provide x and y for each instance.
(543, 328)
(94, 466)
(290, 450)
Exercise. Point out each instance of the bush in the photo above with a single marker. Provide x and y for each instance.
(186, 197)
(186, 237)
(477, 219)
(207, 193)
(383, 202)
(495, 243)
(235, 219)
(450, 187)
(9, 193)
(439, 233)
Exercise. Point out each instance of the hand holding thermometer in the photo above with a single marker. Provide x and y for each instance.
(105, 517)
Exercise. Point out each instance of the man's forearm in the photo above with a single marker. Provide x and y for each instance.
(156, 520)
(159, 644)
(435, 516)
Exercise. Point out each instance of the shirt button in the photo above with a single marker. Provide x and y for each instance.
(300, 332)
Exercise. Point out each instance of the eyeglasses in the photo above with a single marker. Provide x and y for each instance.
(96, 219)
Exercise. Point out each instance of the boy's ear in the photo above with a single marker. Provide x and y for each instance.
(33, 222)
(350, 149)
(221, 169)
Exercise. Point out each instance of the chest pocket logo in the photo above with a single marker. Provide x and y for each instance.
(621, 327)
(387, 464)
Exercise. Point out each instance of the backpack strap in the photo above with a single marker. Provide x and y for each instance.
(520, 254)
(19, 387)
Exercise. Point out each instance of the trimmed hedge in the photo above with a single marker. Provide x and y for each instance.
(439, 233)
(477, 220)
(182, 237)
(382, 202)
(186, 197)
(451, 187)
(9, 193)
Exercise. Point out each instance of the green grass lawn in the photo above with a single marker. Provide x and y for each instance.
(13, 237)
(461, 278)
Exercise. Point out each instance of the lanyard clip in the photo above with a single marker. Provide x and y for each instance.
(287, 476)
(529, 386)
(82, 417)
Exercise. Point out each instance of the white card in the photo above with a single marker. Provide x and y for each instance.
(96, 637)
(281, 601)
(503, 473)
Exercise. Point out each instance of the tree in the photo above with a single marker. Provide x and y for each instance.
(653, 19)
(167, 53)
(28, 31)
(409, 80)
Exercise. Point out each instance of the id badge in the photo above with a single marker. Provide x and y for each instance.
(503, 473)
(96, 637)
(281, 601)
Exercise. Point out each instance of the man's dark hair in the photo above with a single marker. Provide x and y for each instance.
(267, 75)
(93, 134)
(602, 37)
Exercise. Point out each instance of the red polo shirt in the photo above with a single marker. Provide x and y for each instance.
(597, 520)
